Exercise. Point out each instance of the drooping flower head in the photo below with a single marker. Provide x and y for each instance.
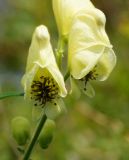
(90, 53)
(66, 10)
(43, 82)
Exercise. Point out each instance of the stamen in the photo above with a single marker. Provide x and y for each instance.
(43, 91)
(92, 75)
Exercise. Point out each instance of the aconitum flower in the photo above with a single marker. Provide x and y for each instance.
(43, 82)
(91, 56)
(66, 10)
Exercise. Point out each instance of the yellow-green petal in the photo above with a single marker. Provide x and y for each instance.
(89, 46)
(41, 62)
(65, 11)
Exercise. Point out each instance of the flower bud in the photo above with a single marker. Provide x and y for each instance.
(20, 130)
(46, 134)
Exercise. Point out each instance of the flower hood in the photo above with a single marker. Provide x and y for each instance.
(89, 46)
(41, 63)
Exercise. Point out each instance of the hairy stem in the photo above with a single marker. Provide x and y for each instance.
(35, 137)
(60, 51)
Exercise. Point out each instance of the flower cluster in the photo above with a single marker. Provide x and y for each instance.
(90, 53)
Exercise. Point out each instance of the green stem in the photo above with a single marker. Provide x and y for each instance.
(66, 76)
(59, 51)
(6, 95)
(35, 136)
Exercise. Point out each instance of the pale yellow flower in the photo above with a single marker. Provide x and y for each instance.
(66, 10)
(42, 81)
(90, 53)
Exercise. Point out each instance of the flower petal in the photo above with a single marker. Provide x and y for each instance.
(59, 79)
(39, 48)
(106, 64)
(89, 90)
(83, 62)
(27, 80)
(65, 10)
(54, 111)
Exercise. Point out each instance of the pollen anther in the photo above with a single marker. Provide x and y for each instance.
(44, 90)
(92, 75)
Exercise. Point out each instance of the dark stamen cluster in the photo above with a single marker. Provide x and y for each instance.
(43, 91)
(92, 75)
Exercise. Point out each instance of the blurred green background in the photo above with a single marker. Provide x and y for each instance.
(92, 129)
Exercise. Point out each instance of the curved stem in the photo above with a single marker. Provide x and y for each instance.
(35, 136)
(59, 51)
(13, 94)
